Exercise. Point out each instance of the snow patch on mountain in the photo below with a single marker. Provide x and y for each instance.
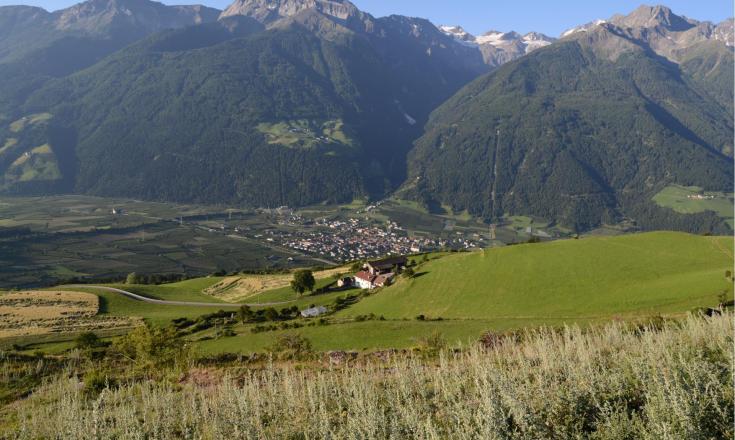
(530, 41)
(583, 28)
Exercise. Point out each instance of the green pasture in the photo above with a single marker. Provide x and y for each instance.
(593, 278)
(679, 199)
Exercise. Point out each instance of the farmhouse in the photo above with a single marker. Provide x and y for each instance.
(386, 265)
(366, 280)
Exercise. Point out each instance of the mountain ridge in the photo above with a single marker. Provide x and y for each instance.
(567, 133)
(300, 102)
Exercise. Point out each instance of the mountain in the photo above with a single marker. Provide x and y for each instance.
(36, 45)
(295, 102)
(26, 29)
(498, 48)
(269, 11)
(585, 131)
(303, 103)
(666, 33)
(696, 46)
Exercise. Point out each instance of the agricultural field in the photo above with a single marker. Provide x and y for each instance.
(304, 133)
(26, 121)
(189, 290)
(35, 313)
(245, 288)
(692, 200)
(52, 239)
(48, 240)
(458, 296)
(72, 213)
(419, 221)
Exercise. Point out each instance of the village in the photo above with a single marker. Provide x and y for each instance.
(352, 239)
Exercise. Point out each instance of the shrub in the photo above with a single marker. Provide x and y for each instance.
(432, 343)
(87, 340)
(291, 347)
(95, 381)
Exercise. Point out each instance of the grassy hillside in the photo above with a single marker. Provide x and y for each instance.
(671, 382)
(591, 278)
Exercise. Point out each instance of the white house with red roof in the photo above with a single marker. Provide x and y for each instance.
(366, 280)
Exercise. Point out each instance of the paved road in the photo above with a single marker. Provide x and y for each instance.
(137, 297)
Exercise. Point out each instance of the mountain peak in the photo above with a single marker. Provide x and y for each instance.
(457, 32)
(267, 11)
(654, 16)
(150, 16)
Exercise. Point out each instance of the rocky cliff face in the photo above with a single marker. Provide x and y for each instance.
(102, 16)
(669, 35)
(267, 11)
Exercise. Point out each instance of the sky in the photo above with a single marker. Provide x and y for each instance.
(478, 16)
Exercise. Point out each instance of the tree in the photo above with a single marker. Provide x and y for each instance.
(271, 314)
(87, 340)
(409, 272)
(303, 280)
(133, 278)
(245, 314)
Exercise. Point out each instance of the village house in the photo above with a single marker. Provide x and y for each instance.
(366, 280)
(380, 273)
(386, 265)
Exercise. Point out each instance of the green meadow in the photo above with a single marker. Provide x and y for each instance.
(459, 296)
(591, 278)
(680, 199)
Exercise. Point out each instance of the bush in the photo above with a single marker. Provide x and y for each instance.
(291, 347)
(432, 344)
(152, 350)
(132, 278)
(95, 381)
(87, 340)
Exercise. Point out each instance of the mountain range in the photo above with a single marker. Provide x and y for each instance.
(295, 102)
(498, 48)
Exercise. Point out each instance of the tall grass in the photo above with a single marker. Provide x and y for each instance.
(613, 382)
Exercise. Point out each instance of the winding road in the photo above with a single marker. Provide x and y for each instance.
(146, 299)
